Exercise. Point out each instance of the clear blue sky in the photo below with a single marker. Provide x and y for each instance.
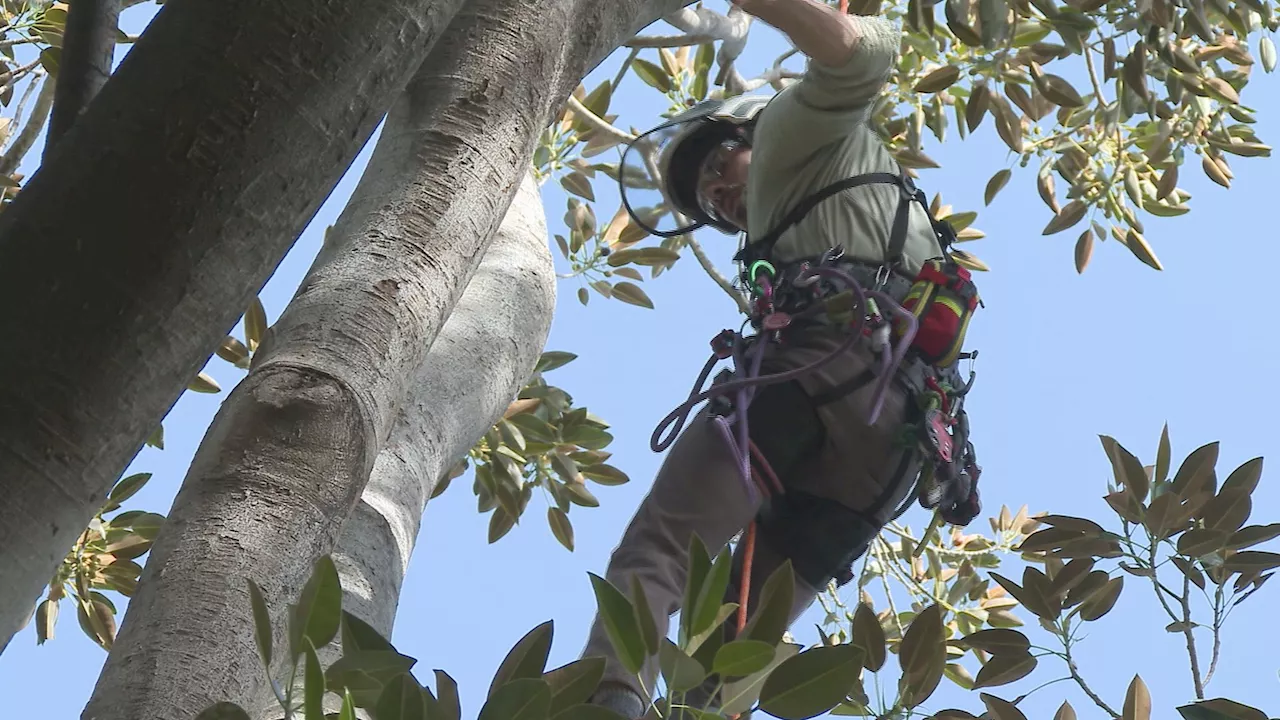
(1120, 350)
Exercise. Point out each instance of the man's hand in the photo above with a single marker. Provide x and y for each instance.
(823, 33)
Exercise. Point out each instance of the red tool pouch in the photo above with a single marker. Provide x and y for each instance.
(943, 299)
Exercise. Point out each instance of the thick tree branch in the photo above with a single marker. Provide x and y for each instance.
(88, 46)
(31, 129)
(598, 123)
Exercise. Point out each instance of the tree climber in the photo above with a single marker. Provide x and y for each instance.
(819, 197)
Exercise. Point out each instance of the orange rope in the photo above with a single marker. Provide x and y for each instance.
(744, 585)
(844, 6)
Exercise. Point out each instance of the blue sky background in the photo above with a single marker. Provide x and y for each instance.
(1119, 350)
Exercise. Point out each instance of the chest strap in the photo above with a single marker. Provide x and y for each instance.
(762, 248)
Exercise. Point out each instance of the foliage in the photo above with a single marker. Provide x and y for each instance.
(962, 614)
(541, 441)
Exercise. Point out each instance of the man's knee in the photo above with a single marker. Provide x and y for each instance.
(821, 537)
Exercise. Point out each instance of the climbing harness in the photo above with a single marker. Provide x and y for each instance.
(916, 326)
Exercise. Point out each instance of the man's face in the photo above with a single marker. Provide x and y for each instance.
(722, 183)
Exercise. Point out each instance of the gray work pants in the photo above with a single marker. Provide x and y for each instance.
(699, 488)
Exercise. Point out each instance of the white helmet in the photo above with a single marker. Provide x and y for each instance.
(678, 149)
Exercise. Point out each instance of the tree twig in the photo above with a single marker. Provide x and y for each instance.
(30, 130)
(1187, 630)
(1075, 675)
(1217, 635)
(667, 41)
(715, 274)
(598, 123)
(626, 65)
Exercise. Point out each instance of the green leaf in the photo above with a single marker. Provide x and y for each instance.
(313, 692)
(740, 658)
(49, 58)
(364, 670)
(620, 623)
(695, 644)
(524, 699)
(1163, 452)
(995, 185)
(255, 324)
(318, 614)
(1243, 479)
(1220, 709)
(711, 594)
(740, 695)
(1126, 468)
(597, 102)
(605, 474)
(1004, 669)
(527, 658)
(127, 487)
(702, 68)
(261, 623)
(630, 293)
(553, 359)
(1253, 561)
(773, 613)
(869, 636)
(644, 617)
(574, 683)
(998, 641)
(401, 699)
(681, 672)
(448, 706)
(699, 564)
(561, 528)
(156, 439)
(348, 711)
(811, 683)
(360, 635)
(223, 711)
(652, 75)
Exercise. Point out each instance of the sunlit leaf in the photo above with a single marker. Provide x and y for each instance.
(620, 623)
(811, 683)
(526, 659)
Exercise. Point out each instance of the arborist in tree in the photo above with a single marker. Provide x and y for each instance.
(846, 404)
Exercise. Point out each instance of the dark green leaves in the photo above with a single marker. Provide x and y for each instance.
(681, 672)
(525, 699)
(742, 657)
(574, 683)
(313, 696)
(1220, 709)
(620, 623)
(811, 683)
(402, 699)
(869, 637)
(261, 623)
(770, 618)
(318, 614)
(527, 659)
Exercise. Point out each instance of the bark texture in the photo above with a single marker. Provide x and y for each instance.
(142, 238)
(88, 46)
(482, 357)
(336, 366)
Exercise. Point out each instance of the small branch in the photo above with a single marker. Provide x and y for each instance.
(88, 46)
(626, 65)
(667, 41)
(1075, 675)
(1217, 635)
(715, 274)
(1191, 638)
(598, 123)
(1093, 76)
(31, 129)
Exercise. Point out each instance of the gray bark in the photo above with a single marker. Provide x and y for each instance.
(291, 450)
(484, 354)
(145, 234)
(88, 47)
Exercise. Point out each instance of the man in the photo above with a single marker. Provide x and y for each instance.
(844, 479)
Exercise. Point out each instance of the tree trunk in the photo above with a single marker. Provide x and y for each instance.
(145, 235)
(291, 449)
(88, 47)
(484, 354)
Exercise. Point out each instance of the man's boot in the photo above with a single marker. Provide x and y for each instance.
(620, 699)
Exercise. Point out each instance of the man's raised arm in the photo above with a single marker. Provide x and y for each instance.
(850, 56)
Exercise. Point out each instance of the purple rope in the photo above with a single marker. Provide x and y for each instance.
(745, 387)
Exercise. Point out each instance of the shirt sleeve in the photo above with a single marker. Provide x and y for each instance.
(855, 84)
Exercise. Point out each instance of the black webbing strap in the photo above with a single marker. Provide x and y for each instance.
(762, 248)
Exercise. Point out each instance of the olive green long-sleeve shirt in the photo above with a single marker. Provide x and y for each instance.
(816, 132)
